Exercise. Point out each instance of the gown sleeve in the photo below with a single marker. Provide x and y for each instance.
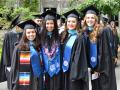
(79, 69)
(14, 73)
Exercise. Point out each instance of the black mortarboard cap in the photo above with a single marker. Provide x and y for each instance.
(90, 10)
(63, 20)
(104, 18)
(38, 16)
(49, 15)
(71, 13)
(112, 18)
(15, 21)
(29, 24)
(59, 16)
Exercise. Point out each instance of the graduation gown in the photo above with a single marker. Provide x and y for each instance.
(116, 43)
(54, 82)
(95, 82)
(11, 38)
(107, 78)
(66, 75)
(36, 83)
(79, 69)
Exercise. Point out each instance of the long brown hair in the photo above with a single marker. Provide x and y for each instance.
(114, 29)
(24, 42)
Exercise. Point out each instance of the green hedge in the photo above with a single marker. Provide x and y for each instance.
(7, 15)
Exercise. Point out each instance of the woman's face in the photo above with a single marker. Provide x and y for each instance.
(90, 19)
(49, 25)
(30, 34)
(71, 23)
(38, 21)
(112, 23)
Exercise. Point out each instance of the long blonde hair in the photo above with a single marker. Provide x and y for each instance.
(94, 34)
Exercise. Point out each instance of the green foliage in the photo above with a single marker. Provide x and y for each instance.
(24, 12)
(9, 10)
(33, 5)
(4, 23)
(26, 3)
(8, 15)
(105, 6)
(4, 10)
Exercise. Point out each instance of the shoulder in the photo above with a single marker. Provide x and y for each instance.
(16, 48)
(80, 37)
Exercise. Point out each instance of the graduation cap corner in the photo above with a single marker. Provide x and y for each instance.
(91, 9)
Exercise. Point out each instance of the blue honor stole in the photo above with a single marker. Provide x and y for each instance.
(52, 62)
(93, 54)
(35, 61)
(68, 49)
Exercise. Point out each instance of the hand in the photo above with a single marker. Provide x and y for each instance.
(115, 60)
(119, 49)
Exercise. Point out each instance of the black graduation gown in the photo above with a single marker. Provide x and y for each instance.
(53, 83)
(65, 75)
(95, 82)
(11, 38)
(79, 69)
(36, 83)
(116, 43)
(107, 78)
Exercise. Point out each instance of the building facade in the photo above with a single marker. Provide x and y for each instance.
(56, 5)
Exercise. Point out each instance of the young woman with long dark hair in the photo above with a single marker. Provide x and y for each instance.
(26, 70)
(51, 52)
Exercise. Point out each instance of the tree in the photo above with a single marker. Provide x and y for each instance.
(105, 6)
(11, 8)
(32, 4)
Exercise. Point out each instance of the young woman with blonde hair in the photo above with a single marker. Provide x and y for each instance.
(99, 52)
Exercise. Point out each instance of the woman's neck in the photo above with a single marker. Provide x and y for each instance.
(73, 31)
(49, 34)
(90, 28)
